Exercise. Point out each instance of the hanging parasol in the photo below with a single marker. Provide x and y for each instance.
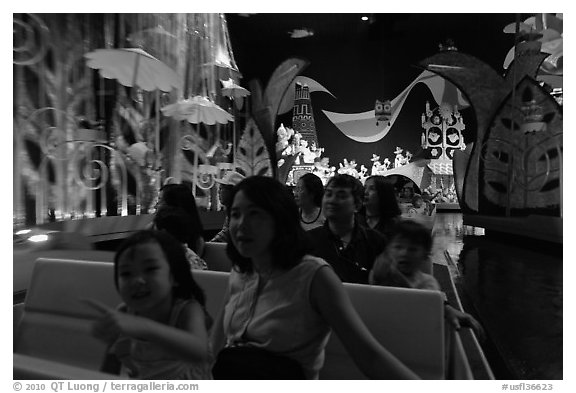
(134, 67)
(198, 109)
(235, 92)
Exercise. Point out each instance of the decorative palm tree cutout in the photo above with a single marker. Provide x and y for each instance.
(268, 104)
(521, 156)
(252, 158)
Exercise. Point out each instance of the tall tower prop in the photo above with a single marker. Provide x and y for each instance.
(304, 143)
(303, 116)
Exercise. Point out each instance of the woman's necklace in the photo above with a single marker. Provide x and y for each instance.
(314, 220)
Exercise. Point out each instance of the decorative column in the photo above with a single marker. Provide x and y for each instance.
(303, 116)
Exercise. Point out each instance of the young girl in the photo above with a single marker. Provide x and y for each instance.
(159, 331)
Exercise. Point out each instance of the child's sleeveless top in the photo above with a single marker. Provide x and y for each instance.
(145, 360)
(279, 317)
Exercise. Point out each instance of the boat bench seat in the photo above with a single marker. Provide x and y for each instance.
(216, 258)
(55, 324)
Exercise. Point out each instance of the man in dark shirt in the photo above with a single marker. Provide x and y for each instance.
(350, 248)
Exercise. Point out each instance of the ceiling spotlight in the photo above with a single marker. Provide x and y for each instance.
(364, 18)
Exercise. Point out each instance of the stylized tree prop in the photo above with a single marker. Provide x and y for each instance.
(266, 105)
(515, 165)
(252, 157)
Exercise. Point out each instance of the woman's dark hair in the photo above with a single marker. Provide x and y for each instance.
(185, 287)
(289, 244)
(174, 220)
(347, 181)
(414, 232)
(180, 195)
(313, 186)
(387, 202)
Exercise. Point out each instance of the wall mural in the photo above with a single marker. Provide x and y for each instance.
(109, 107)
(364, 127)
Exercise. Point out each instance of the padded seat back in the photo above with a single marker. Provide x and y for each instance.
(216, 258)
(55, 324)
(407, 322)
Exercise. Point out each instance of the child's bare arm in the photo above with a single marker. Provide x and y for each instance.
(189, 340)
(459, 318)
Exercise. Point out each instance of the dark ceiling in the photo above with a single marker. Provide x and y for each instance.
(260, 38)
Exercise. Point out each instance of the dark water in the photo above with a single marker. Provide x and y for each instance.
(515, 289)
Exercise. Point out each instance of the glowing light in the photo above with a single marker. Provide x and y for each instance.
(23, 231)
(364, 18)
(38, 238)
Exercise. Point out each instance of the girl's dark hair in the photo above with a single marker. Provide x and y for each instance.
(174, 220)
(289, 244)
(185, 287)
(414, 232)
(387, 201)
(313, 186)
(180, 195)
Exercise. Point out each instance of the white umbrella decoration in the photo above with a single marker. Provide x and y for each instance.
(200, 108)
(196, 110)
(235, 92)
(134, 67)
